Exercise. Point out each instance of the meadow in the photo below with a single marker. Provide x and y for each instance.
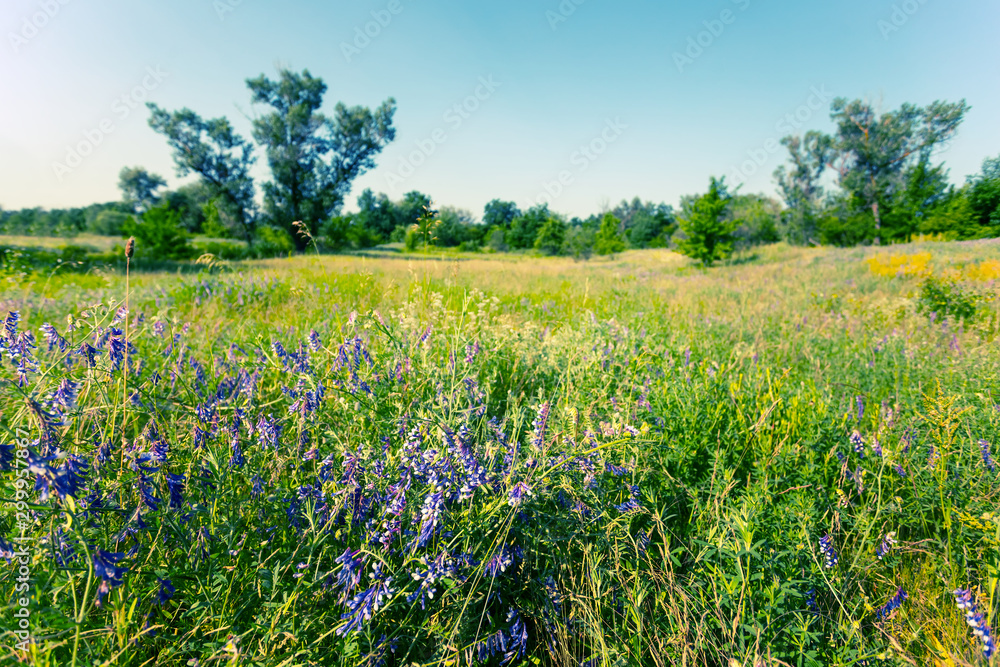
(495, 459)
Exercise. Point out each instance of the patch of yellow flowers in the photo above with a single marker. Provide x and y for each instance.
(919, 265)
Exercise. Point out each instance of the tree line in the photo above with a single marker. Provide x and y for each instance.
(874, 180)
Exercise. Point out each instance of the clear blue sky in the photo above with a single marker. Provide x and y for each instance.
(558, 85)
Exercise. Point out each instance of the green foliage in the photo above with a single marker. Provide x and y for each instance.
(139, 188)
(220, 157)
(760, 218)
(708, 230)
(314, 158)
(273, 242)
(946, 298)
(159, 235)
(608, 239)
(500, 213)
(525, 227)
(551, 236)
(212, 225)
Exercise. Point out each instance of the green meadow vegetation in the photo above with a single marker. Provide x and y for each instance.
(462, 459)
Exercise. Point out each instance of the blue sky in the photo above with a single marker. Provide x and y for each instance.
(580, 103)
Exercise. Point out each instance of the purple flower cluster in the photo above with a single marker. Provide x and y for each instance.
(894, 603)
(966, 602)
(827, 551)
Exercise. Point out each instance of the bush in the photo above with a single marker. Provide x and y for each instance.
(609, 238)
(272, 242)
(159, 235)
(943, 298)
(708, 231)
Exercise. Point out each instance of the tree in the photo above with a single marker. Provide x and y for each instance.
(873, 151)
(759, 216)
(500, 213)
(525, 227)
(412, 208)
(984, 197)
(609, 240)
(799, 185)
(313, 158)
(646, 224)
(139, 188)
(377, 214)
(218, 155)
(708, 230)
(551, 236)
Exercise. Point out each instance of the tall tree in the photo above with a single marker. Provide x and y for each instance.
(139, 188)
(873, 151)
(313, 158)
(609, 238)
(799, 185)
(211, 149)
(708, 230)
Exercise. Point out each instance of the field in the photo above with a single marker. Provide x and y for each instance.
(489, 459)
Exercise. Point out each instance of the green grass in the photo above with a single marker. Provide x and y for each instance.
(740, 387)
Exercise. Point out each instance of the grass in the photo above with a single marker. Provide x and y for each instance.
(636, 461)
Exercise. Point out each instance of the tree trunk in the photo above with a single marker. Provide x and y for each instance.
(878, 221)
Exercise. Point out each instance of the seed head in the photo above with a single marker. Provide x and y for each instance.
(130, 247)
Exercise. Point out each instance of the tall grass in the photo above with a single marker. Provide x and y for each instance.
(626, 461)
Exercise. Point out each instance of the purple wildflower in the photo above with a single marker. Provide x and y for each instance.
(827, 551)
(966, 603)
(885, 546)
(892, 605)
(364, 605)
(984, 447)
(519, 494)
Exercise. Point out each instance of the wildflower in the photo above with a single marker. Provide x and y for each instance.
(900, 470)
(10, 324)
(53, 338)
(499, 562)
(166, 591)
(886, 545)
(642, 541)
(106, 567)
(175, 484)
(984, 447)
(628, 506)
(314, 341)
(116, 348)
(966, 603)
(364, 605)
(539, 425)
(65, 395)
(858, 442)
(827, 551)
(892, 605)
(349, 575)
(517, 495)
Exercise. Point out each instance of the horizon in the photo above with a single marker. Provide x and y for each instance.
(575, 103)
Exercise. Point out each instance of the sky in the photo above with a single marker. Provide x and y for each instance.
(574, 103)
